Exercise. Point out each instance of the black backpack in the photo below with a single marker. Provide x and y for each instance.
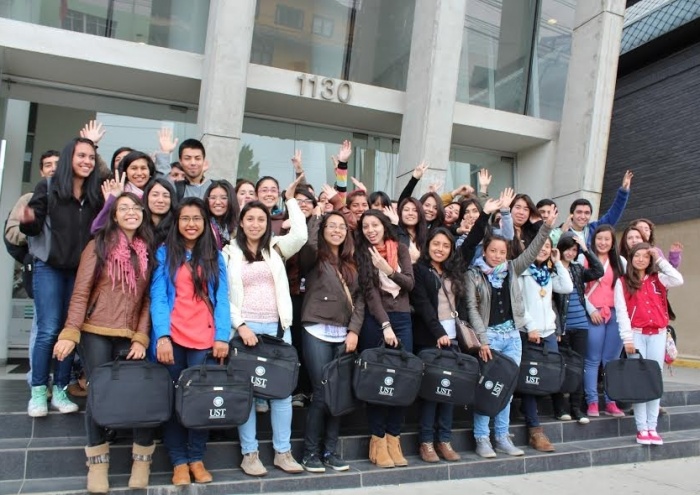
(19, 253)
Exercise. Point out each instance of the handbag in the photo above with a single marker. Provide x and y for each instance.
(272, 364)
(336, 381)
(466, 336)
(496, 384)
(449, 376)
(387, 376)
(573, 370)
(130, 394)
(211, 396)
(633, 380)
(541, 371)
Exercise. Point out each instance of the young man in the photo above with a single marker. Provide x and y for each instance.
(191, 156)
(177, 173)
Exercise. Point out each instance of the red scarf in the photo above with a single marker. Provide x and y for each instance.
(390, 252)
(119, 266)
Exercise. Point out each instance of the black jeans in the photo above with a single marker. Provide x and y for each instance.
(577, 340)
(95, 350)
(320, 425)
(304, 385)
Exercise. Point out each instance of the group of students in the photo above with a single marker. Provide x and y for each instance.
(131, 259)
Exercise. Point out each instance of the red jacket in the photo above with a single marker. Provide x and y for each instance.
(648, 307)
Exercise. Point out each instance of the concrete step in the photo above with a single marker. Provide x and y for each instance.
(569, 455)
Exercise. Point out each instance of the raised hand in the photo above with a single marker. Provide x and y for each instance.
(296, 162)
(435, 187)
(344, 152)
(330, 192)
(580, 243)
(491, 205)
(676, 247)
(289, 193)
(166, 141)
(484, 180)
(627, 180)
(93, 131)
(506, 198)
(555, 256)
(379, 262)
(390, 212)
(358, 184)
(464, 190)
(420, 170)
(552, 220)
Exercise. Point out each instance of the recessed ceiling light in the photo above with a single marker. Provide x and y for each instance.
(551, 21)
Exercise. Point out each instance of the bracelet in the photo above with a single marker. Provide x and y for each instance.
(386, 325)
(162, 340)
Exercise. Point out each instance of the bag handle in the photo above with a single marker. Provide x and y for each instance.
(121, 358)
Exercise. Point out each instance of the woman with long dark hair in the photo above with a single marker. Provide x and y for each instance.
(108, 315)
(223, 208)
(58, 219)
(412, 229)
(439, 286)
(191, 318)
(160, 202)
(526, 223)
(433, 209)
(332, 317)
(386, 276)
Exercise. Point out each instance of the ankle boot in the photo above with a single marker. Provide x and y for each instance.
(539, 441)
(378, 452)
(98, 468)
(141, 466)
(394, 447)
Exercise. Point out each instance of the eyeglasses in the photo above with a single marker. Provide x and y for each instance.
(336, 226)
(133, 209)
(305, 201)
(218, 198)
(187, 220)
(270, 190)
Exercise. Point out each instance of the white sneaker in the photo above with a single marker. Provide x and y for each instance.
(61, 402)
(37, 407)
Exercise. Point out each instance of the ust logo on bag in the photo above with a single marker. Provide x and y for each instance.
(444, 389)
(532, 379)
(218, 412)
(259, 381)
(387, 388)
(495, 388)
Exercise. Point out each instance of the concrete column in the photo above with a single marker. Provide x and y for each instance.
(426, 129)
(590, 90)
(224, 83)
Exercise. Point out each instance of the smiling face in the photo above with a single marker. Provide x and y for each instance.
(191, 224)
(581, 217)
(218, 202)
(520, 212)
(409, 215)
(305, 204)
(496, 253)
(254, 224)
(159, 200)
(633, 238)
(603, 242)
(335, 230)
(471, 214)
(192, 161)
(641, 260)
(138, 173)
(439, 249)
(451, 213)
(48, 166)
(373, 230)
(245, 194)
(430, 209)
(83, 160)
(269, 193)
(645, 229)
(358, 206)
(545, 252)
(570, 254)
(128, 215)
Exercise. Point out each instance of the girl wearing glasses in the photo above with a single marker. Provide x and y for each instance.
(223, 208)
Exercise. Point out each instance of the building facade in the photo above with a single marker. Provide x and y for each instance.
(521, 87)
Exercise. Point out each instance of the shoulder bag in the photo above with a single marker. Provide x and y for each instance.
(633, 380)
(337, 384)
(541, 371)
(496, 384)
(466, 336)
(449, 376)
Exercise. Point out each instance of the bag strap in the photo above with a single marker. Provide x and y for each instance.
(347, 290)
(597, 282)
(454, 312)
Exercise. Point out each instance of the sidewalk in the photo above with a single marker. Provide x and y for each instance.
(675, 477)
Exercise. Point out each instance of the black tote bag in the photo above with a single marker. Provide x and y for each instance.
(387, 376)
(272, 365)
(130, 394)
(449, 376)
(213, 396)
(337, 384)
(633, 380)
(573, 370)
(541, 371)
(496, 384)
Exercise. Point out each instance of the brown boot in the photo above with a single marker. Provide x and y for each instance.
(393, 445)
(427, 452)
(378, 452)
(181, 475)
(539, 441)
(445, 450)
(141, 466)
(199, 473)
(98, 468)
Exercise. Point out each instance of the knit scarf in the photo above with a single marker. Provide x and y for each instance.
(390, 252)
(133, 189)
(541, 274)
(495, 275)
(119, 266)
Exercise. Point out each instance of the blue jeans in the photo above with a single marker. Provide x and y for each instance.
(280, 409)
(529, 402)
(32, 340)
(604, 345)
(385, 419)
(53, 288)
(320, 426)
(510, 345)
(435, 418)
(184, 445)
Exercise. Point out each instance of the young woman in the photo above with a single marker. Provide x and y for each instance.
(357, 203)
(545, 276)
(191, 318)
(58, 218)
(573, 317)
(647, 227)
(323, 200)
(108, 314)
(260, 303)
(439, 286)
(497, 312)
(470, 212)
(604, 342)
(452, 215)
(526, 223)
(631, 236)
(386, 276)
(379, 200)
(223, 209)
(432, 209)
(267, 190)
(412, 228)
(159, 200)
(640, 297)
(332, 316)
(245, 192)
(117, 157)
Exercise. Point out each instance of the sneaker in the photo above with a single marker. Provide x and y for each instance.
(261, 406)
(505, 445)
(298, 400)
(335, 462)
(60, 401)
(252, 466)
(578, 415)
(38, 407)
(286, 463)
(643, 438)
(484, 449)
(611, 409)
(593, 411)
(562, 416)
(655, 438)
(427, 452)
(313, 464)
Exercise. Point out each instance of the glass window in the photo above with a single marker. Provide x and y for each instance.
(465, 165)
(496, 51)
(355, 40)
(177, 24)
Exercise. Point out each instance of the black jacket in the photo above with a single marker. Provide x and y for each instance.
(580, 275)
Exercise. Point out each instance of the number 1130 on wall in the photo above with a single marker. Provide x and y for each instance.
(324, 87)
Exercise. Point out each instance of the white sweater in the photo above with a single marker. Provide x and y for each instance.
(539, 313)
